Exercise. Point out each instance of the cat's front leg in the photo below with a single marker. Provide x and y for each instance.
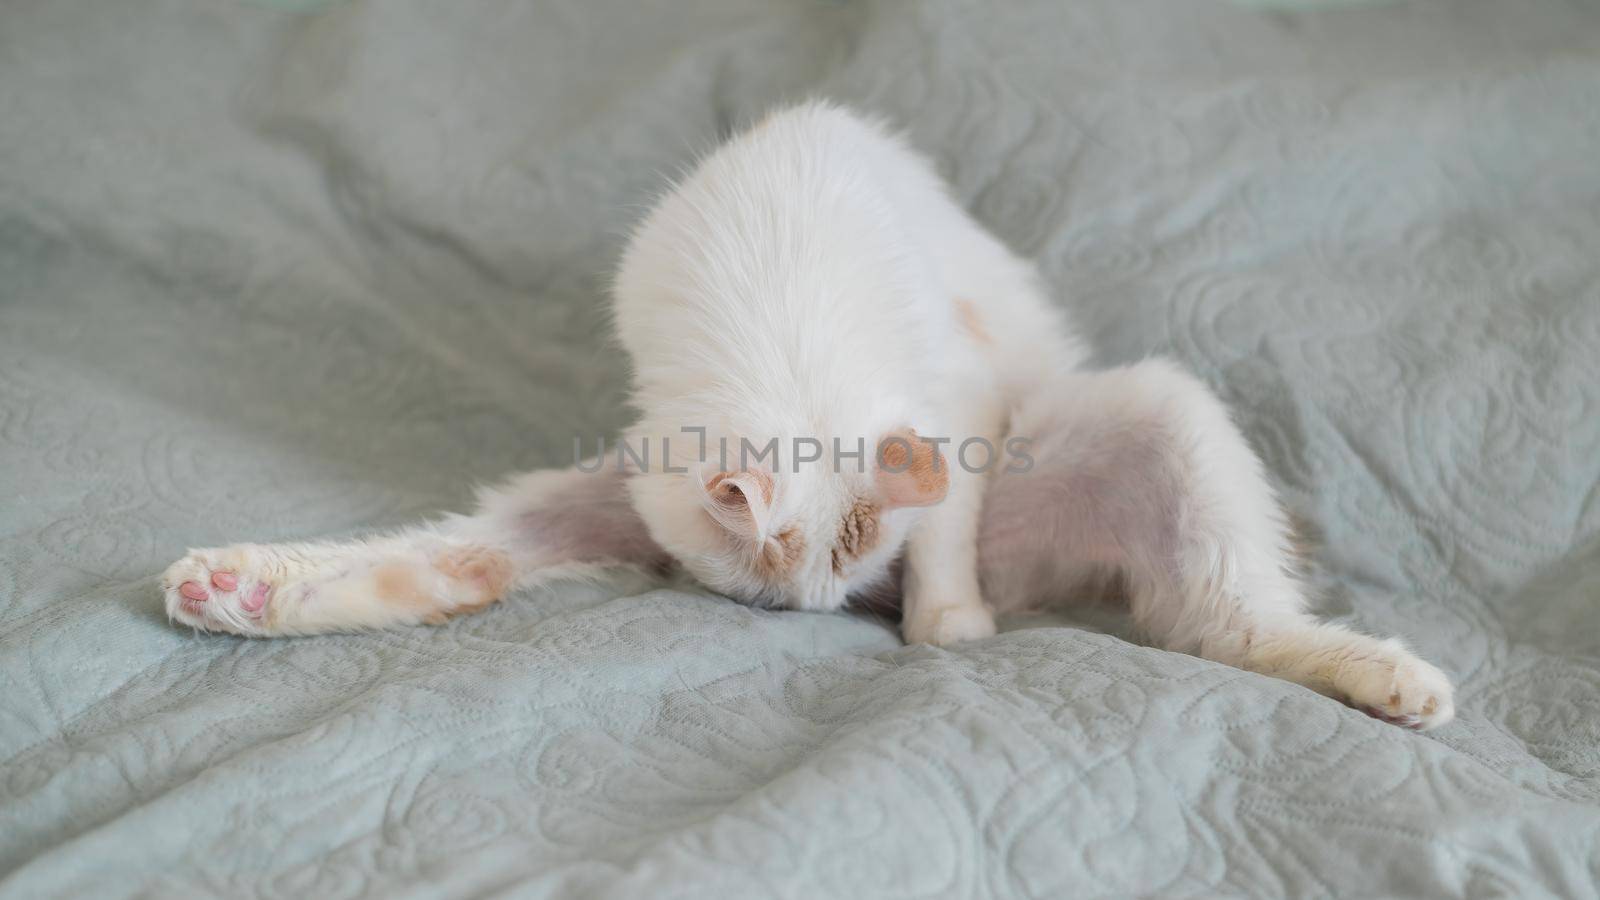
(942, 604)
(942, 601)
(268, 590)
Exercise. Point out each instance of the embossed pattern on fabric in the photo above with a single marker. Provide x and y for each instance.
(279, 271)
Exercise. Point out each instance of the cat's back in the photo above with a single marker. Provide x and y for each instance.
(786, 239)
(800, 190)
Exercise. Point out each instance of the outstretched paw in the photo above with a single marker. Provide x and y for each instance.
(227, 589)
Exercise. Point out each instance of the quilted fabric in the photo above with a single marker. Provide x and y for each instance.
(280, 270)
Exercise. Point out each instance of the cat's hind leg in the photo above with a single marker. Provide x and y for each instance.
(1140, 471)
(540, 527)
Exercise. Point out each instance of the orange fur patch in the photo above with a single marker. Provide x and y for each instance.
(781, 554)
(479, 576)
(490, 569)
(858, 533)
(967, 313)
(894, 454)
(397, 585)
(914, 472)
(489, 572)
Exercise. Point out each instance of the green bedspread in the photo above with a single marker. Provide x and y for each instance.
(272, 273)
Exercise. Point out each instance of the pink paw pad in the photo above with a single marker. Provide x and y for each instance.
(225, 581)
(193, 590)
(257, 600)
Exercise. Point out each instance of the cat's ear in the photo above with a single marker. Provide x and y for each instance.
(910, 471)
(741, 502)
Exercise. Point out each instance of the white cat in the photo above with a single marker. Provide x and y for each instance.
(838, 370)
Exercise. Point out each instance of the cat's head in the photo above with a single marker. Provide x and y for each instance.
(794, 536)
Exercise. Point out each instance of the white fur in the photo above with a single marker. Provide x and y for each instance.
(812, 278)
(803, 282)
